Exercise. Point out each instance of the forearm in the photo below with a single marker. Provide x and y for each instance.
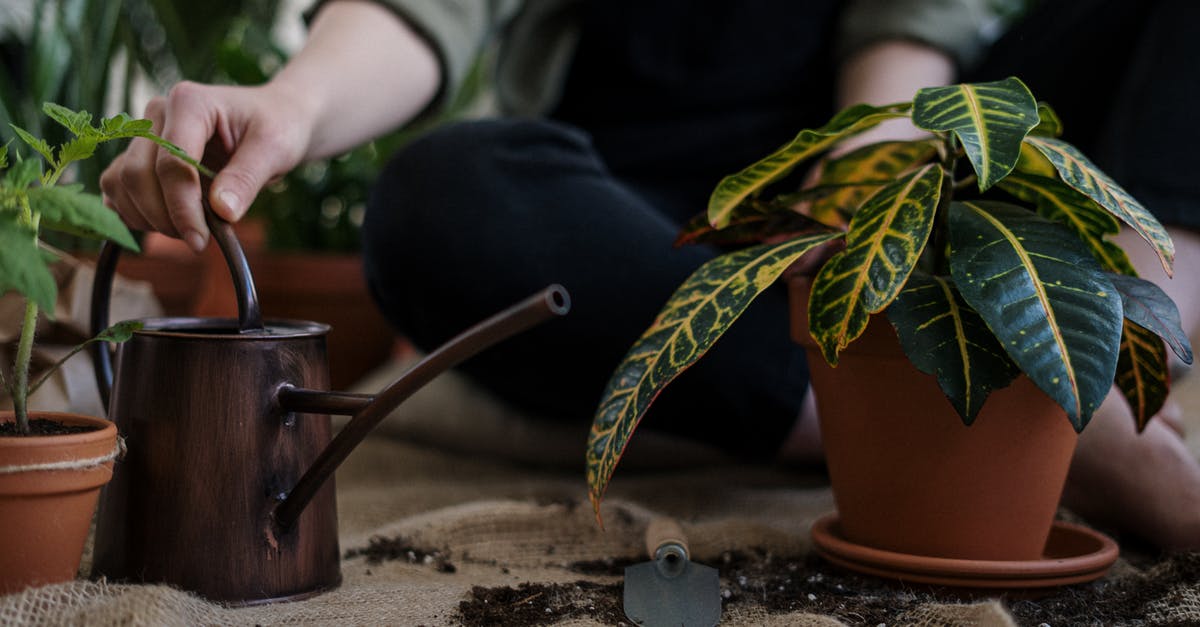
(362, 73)
(888, 72)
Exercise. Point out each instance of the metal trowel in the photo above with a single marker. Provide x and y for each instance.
(671, 590)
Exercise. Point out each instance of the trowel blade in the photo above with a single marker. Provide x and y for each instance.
(655, 597)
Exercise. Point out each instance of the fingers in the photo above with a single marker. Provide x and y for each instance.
(131, 186)
(258, 159)
(190, 124)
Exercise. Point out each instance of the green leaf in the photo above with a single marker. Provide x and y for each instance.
(177, 151)
(695, 316)
(884, 242)
(869, 168)
(942, 335)
(1142, 374)
(989, 119)
(36, 143)
(121, 126)
(22, 174)
(76, 149)
(1049, 124)
(1044, 296)
(78, 122)
(69, 209)
(750, 223)
(1146, 305)
(1059, 202)
(1080, 173)
(23, 268)
(733, 189)
(4, 156)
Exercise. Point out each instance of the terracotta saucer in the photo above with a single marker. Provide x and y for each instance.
(1074, 554)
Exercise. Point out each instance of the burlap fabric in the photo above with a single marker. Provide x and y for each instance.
(460, 494)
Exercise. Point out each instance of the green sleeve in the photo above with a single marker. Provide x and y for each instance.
(960, 28)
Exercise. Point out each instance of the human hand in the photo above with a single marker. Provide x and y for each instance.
(248, 135)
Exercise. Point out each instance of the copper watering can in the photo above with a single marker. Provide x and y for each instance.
(227, 489)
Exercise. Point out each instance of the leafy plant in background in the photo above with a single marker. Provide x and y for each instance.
(33, 200)
(985, 246)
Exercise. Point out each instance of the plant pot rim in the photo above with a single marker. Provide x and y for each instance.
(41, 449)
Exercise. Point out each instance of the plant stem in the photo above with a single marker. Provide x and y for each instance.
(20, 389)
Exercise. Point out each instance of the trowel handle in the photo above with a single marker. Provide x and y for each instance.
(664, 534)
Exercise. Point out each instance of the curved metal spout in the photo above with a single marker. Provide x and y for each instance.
(550, 302)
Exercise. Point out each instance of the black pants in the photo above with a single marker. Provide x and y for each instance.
(477, 215)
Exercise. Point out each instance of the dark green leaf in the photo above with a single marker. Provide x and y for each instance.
(119, 332)
(1061, 203)
(23, 268)
(71, 210)
(1146, 305)
(733, 189)
(1080, 173)
(1044, 296)
(4, 156)
(989, 119)
(944, 337)
(885, 240)
(122, 126)
(76, 149)
(695, 316)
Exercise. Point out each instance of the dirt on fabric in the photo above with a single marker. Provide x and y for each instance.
(42, 426)
(759, 580)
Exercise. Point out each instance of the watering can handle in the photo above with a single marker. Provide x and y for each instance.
(249, 312)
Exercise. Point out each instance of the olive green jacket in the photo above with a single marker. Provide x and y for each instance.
(535, 39)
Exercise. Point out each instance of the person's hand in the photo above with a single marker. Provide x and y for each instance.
(248, 135)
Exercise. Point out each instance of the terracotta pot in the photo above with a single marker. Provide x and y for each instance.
(45, 514)
(908, 476)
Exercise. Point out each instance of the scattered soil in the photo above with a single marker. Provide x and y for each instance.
(780, 584)
(532, 604)
(380, 549)
(42, 426)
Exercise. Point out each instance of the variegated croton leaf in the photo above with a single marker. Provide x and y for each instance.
(751, 223)
(942, 335)
(989, 119)
(1142, 374)
(735, 188)
(696, 315)
(1045, 297)
(853, 177)
(885, 240)
(1080, 173)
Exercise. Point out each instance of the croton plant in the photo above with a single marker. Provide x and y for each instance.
(985, 245)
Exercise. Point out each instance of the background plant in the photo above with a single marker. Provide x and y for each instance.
(986, 247)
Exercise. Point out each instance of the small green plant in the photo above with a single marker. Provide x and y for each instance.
(34, 200)
(985, 246)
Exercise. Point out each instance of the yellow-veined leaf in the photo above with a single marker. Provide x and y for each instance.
(1080, 173)
(695, 316)
(863, 172)
(1044, 296)
(1142, 373)
(733, 189)
(943, 336)
(989, 119)
(1048, 125)
(885, 240)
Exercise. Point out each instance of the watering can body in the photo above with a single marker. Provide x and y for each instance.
(210, 456)
(227, 487)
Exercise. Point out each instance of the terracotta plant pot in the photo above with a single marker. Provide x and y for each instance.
(46, 510)
(909, 477)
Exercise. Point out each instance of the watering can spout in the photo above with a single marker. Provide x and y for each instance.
(548, 303)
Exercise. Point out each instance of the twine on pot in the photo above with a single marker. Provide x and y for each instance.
(71, 464)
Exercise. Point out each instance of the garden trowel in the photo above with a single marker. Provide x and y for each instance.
(671, 589)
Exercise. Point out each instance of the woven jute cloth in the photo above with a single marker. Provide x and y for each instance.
(489, 499)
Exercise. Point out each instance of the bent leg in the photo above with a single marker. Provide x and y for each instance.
(478, 215)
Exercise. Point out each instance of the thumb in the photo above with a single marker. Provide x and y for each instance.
(252, 165)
